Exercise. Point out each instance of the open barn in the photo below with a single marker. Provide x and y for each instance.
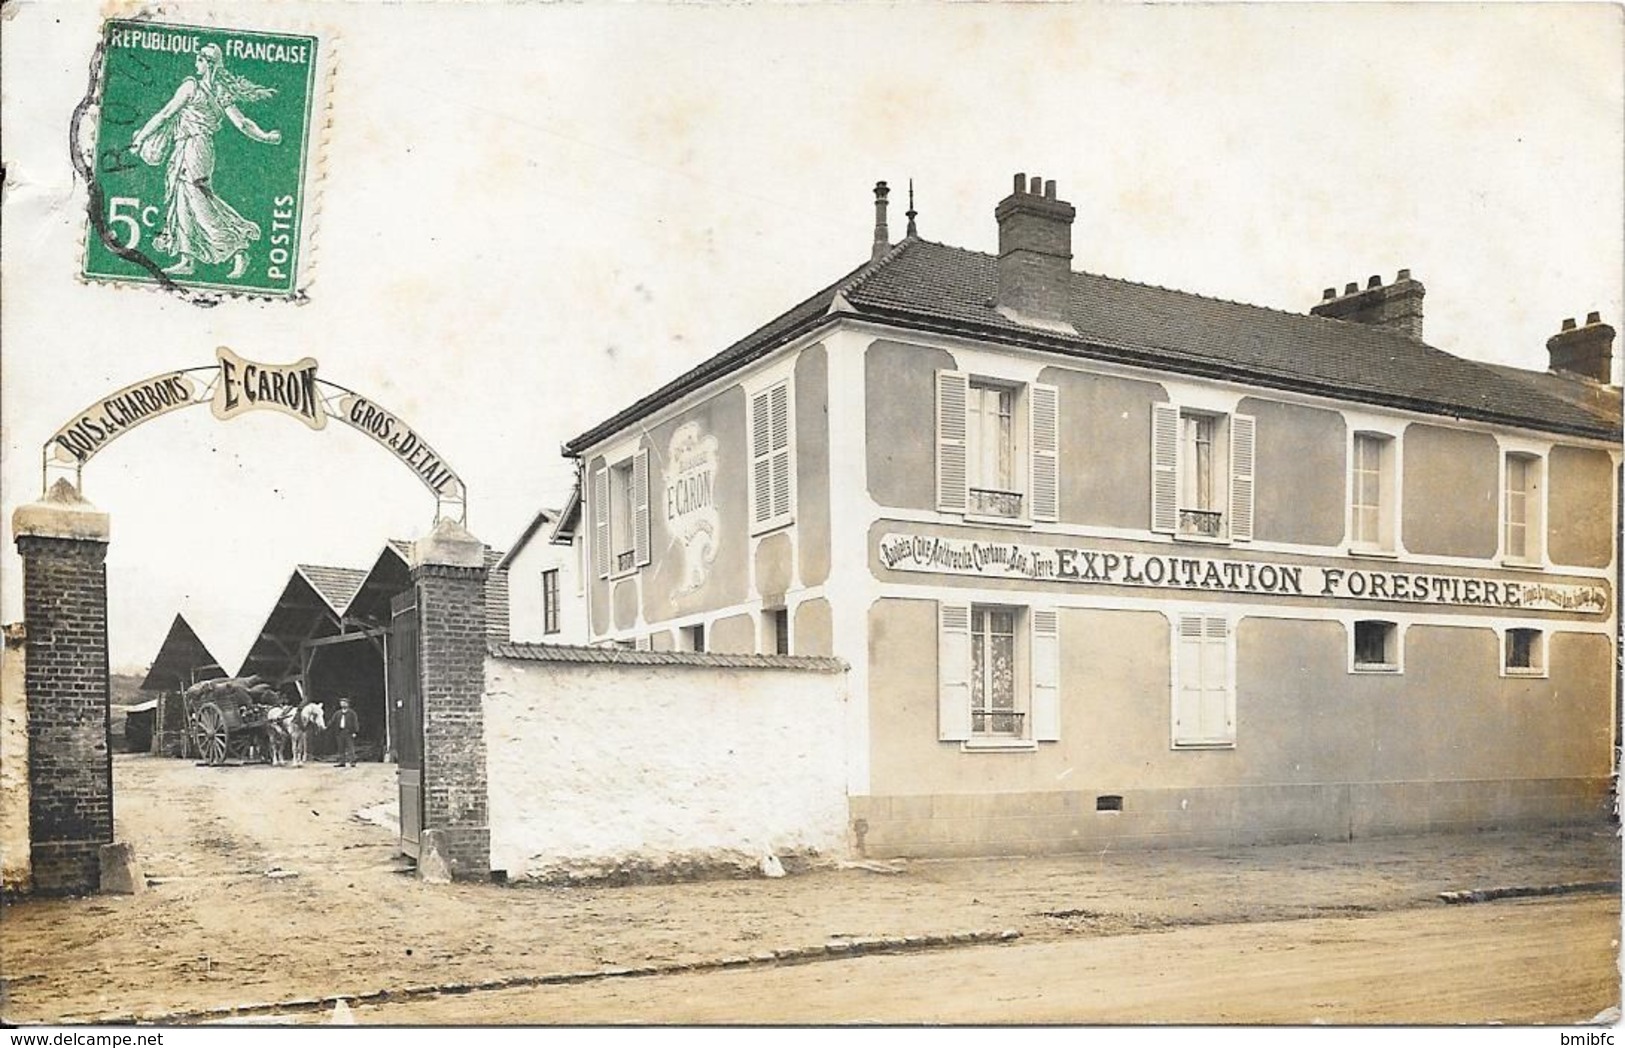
(181, 662)
(328, 636)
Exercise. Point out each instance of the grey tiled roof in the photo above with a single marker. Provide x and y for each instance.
(335, 585)
(935, 287)
(627, 657)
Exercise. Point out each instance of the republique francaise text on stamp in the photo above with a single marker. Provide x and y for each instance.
(202, 146)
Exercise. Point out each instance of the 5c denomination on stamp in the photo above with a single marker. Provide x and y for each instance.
(203, 140)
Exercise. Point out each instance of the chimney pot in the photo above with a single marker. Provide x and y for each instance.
(1373, 281)
(1593, 317)
(1329, 294)
(1049, 189)
(1351, 288)
(882, 242)
(1021, 183)
(1037, 188)
(1404, 274)
(1568, 323)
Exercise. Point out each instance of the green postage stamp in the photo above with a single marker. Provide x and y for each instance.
(199, 174)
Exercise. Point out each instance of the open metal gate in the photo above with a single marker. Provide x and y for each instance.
(405, 691)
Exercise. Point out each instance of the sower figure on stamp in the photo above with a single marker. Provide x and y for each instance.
(198, 225)
(349, 726)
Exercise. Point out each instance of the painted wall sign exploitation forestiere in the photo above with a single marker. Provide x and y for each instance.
(1005, 560)
(236, 385)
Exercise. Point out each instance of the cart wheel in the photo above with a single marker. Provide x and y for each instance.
(210, 734)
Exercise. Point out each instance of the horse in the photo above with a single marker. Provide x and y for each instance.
(295, 724)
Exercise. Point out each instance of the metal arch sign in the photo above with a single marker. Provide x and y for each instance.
(236, 385)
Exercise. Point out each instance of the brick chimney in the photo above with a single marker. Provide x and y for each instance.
(1035, 255)
(1585, 351)
(1397, 305)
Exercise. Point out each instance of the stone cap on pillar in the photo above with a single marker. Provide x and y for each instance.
(449, 544)
(62, 513)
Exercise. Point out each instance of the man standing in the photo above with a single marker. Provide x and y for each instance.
(349, 726)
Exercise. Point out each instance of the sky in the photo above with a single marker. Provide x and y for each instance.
(530, 215)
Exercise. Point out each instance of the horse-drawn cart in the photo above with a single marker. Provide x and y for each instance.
(227, 718)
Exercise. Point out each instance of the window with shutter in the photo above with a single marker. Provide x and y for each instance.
(1202, 474)
(953, 672)
(1204, 710)
(997, 448)
(1046, 674)
(600, 523)
(640, 508)
(1044, 442)
(772, 472)
(952, 392)
(1241, 478)
(1164, 468)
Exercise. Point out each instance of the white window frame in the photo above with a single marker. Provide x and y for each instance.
(1037, 676)
(1180, 739)
(1233, 473)
(1541, 653)
(552, 617)
(1035, 420)
(1392, 667)
(1386, 544)
(765, 458)
(1534, 523)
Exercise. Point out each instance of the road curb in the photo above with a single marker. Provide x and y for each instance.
(1529, 891)
(838, 949)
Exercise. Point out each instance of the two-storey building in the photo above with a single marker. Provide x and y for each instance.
(1111, 562)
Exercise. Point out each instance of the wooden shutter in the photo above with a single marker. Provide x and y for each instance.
(1242, 429)
(771, 498)
(600, 522)
(1164, 468)
(953, 388)
(953, 672)
(1045, 426)
(761, 464)
(640, 507)
(779, 434)
(1046, 675)
(1202, 701)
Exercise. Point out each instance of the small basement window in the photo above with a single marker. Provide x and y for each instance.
(1376, 646)
(1525, 653)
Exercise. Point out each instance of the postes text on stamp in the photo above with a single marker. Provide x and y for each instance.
(202, 145)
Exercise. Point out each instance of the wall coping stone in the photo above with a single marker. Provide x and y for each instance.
(61, 513)
(449, 544)
(630, 657)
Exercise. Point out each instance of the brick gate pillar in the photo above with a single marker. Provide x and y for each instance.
(448, 568)
(63, 542)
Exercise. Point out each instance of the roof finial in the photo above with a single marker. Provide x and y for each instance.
(911, 212)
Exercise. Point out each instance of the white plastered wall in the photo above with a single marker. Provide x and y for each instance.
(595, 769)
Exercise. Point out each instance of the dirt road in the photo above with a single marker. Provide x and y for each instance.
(1533, 961)
(216, 932)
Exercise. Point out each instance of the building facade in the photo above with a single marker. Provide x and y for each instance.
(1110, 562)
(547, 599)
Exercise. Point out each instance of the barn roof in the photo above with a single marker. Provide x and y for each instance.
(182, 660)
(301, 612)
